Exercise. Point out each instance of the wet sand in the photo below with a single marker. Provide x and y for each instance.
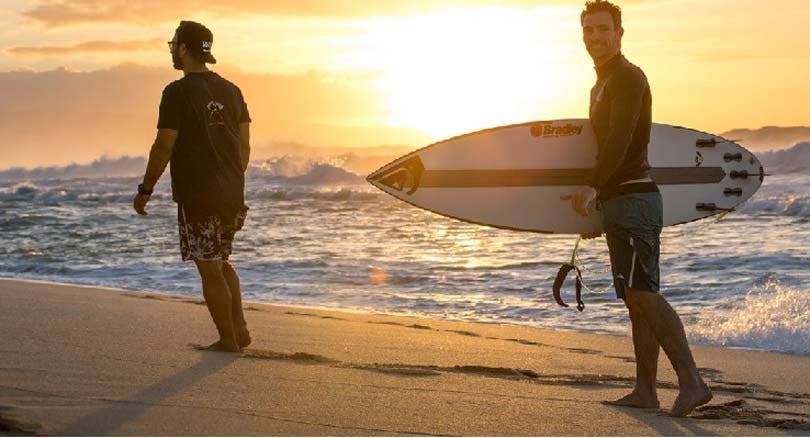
(92, 361)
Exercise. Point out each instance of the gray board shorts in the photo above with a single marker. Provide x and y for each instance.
(632, 224)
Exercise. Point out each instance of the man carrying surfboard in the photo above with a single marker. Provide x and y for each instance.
(204, 130)
(620, 113)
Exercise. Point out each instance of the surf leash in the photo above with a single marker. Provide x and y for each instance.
(561, 276)
(575, 264)
(585, 285)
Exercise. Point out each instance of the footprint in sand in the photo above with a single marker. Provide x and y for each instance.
(464, 333)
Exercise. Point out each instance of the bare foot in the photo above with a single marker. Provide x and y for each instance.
(223, 346)
(243, 337)
(688, 400)
(635, 400)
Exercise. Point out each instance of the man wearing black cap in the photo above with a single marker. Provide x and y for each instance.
(204, 130)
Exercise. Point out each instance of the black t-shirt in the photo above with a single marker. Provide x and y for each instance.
(206, 163)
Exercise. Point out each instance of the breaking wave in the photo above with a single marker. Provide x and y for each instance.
(782, 204)
(792, 160)
(303, 171)
(287, 169)
(771, 317)
(100, 168)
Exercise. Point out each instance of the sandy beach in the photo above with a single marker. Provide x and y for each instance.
(92, 361)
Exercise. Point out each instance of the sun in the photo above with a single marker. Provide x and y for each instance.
(452, 72)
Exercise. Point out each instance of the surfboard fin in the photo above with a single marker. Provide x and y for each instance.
(711, 142)
(710, 206)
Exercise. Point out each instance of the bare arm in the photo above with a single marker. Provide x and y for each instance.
(244, 144)
(159, 157)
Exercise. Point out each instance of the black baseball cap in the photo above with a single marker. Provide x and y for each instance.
(198, 40)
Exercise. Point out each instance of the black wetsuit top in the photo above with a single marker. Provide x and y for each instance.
(621, 117)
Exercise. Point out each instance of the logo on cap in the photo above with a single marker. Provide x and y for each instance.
(206, 46)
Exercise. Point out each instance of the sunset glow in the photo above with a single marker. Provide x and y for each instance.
(368, 74)
(455, 71)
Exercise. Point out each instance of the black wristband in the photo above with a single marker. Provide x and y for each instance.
(144, 191)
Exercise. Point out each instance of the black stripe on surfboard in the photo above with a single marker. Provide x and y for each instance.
(557, 177)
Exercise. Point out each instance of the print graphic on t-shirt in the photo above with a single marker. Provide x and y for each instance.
(215, 113)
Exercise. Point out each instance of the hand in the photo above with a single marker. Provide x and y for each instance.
(581, 200)
(139, 203)
(591, 235)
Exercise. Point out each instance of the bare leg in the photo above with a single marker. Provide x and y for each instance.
(668, 330)
(237, 314)
(646, 349)
(218, 300)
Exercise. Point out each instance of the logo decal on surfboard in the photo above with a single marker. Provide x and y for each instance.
(406, 174)
(546, 129)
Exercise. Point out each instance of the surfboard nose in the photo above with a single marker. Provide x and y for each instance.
(403, 175)
(374, 175)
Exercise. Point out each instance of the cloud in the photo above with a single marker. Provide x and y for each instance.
(98, 46)
(59, 116)
(54, 13)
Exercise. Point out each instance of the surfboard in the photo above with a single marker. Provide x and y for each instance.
(512, 176)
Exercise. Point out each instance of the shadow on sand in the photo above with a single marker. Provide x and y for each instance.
(107, 420)
(662, 423)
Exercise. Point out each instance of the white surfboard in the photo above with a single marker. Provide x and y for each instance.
(512, 176)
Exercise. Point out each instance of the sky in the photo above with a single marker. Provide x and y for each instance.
(83, 78)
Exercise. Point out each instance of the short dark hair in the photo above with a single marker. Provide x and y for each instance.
(595, 6)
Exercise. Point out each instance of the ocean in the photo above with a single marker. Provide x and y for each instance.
(319, 235)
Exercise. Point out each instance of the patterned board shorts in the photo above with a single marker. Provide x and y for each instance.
(207, 238)
(632, 226)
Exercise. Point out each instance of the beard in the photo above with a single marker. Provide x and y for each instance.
(177, 63)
